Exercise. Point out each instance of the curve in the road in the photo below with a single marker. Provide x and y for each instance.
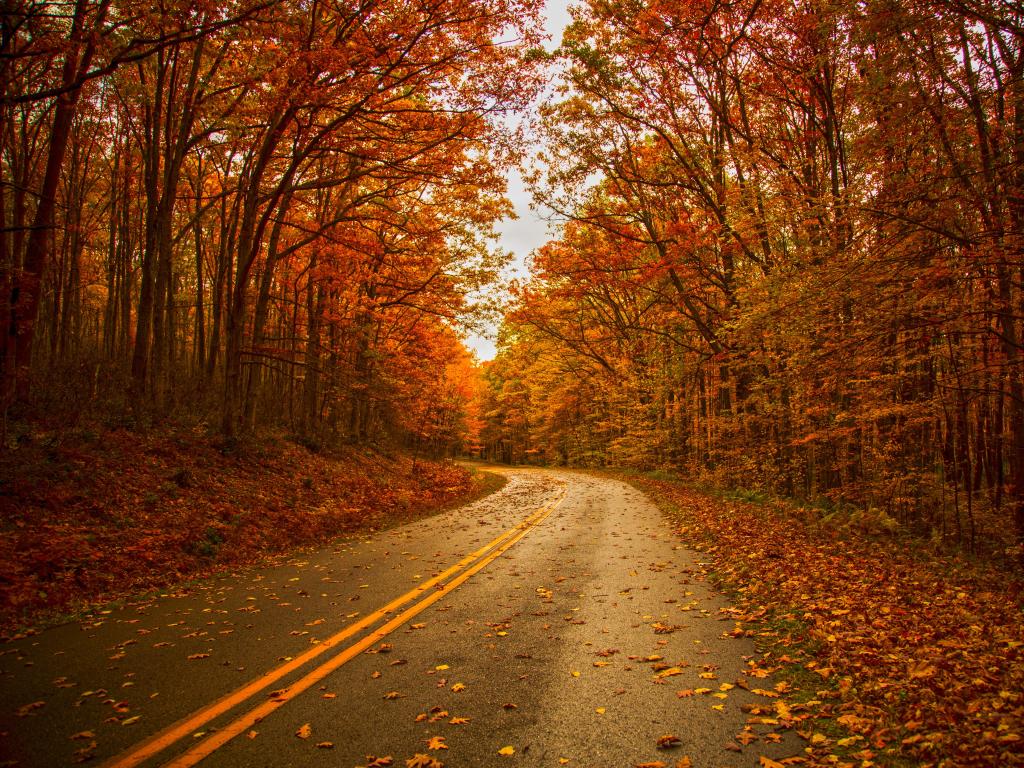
(441, 584)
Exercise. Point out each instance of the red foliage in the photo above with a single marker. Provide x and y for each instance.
(121, 513)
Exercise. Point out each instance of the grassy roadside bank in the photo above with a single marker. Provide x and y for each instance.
(96, 517)
(891, 655)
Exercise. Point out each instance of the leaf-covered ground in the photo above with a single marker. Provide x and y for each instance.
(897, 655)
(101, 516)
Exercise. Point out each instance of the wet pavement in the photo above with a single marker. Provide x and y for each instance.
(583, 639)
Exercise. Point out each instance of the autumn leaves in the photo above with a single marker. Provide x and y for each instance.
(882, 653)
(598, 627)
(787, 259)
(436, 716)
(286, 205)
(363, 636)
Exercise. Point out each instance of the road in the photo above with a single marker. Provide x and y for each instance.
(558, 621)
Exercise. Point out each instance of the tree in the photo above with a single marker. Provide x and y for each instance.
(790, 252)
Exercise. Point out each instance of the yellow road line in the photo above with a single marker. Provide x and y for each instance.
(235, 728)
(188, 725)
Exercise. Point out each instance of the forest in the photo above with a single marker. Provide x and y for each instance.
(244, 246)
(271, 213)
(791, 259)
(787, 260)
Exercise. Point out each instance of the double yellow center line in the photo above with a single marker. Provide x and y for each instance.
(438, 586)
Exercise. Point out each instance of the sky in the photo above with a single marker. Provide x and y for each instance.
(528, 231)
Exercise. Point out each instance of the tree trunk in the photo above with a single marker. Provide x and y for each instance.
(25, 295)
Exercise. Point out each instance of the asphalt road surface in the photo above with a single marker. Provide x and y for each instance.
(556, 622)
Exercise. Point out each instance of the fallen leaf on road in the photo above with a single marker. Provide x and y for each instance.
(391, 695)
(664, 629)
(507, 751)
(684, 762)
(85, 754)
(670, 672)
(196, 656)
(28, 709)
(668, 741)
(304, 731)
(746, 736)
(82, 735)
(458, 687)
(131, 720)
(767, 762)
(378, 762)
(325, 745)
(459, 720)
(652, 764)
(436, 742)
(423, 761)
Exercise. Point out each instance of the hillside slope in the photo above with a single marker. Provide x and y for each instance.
(95, 517)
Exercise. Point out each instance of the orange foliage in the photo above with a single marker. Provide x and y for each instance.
(789, 261)
(896, 651)
(92, 520)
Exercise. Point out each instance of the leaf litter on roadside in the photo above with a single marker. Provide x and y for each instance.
(220, 519)
(891, 648)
